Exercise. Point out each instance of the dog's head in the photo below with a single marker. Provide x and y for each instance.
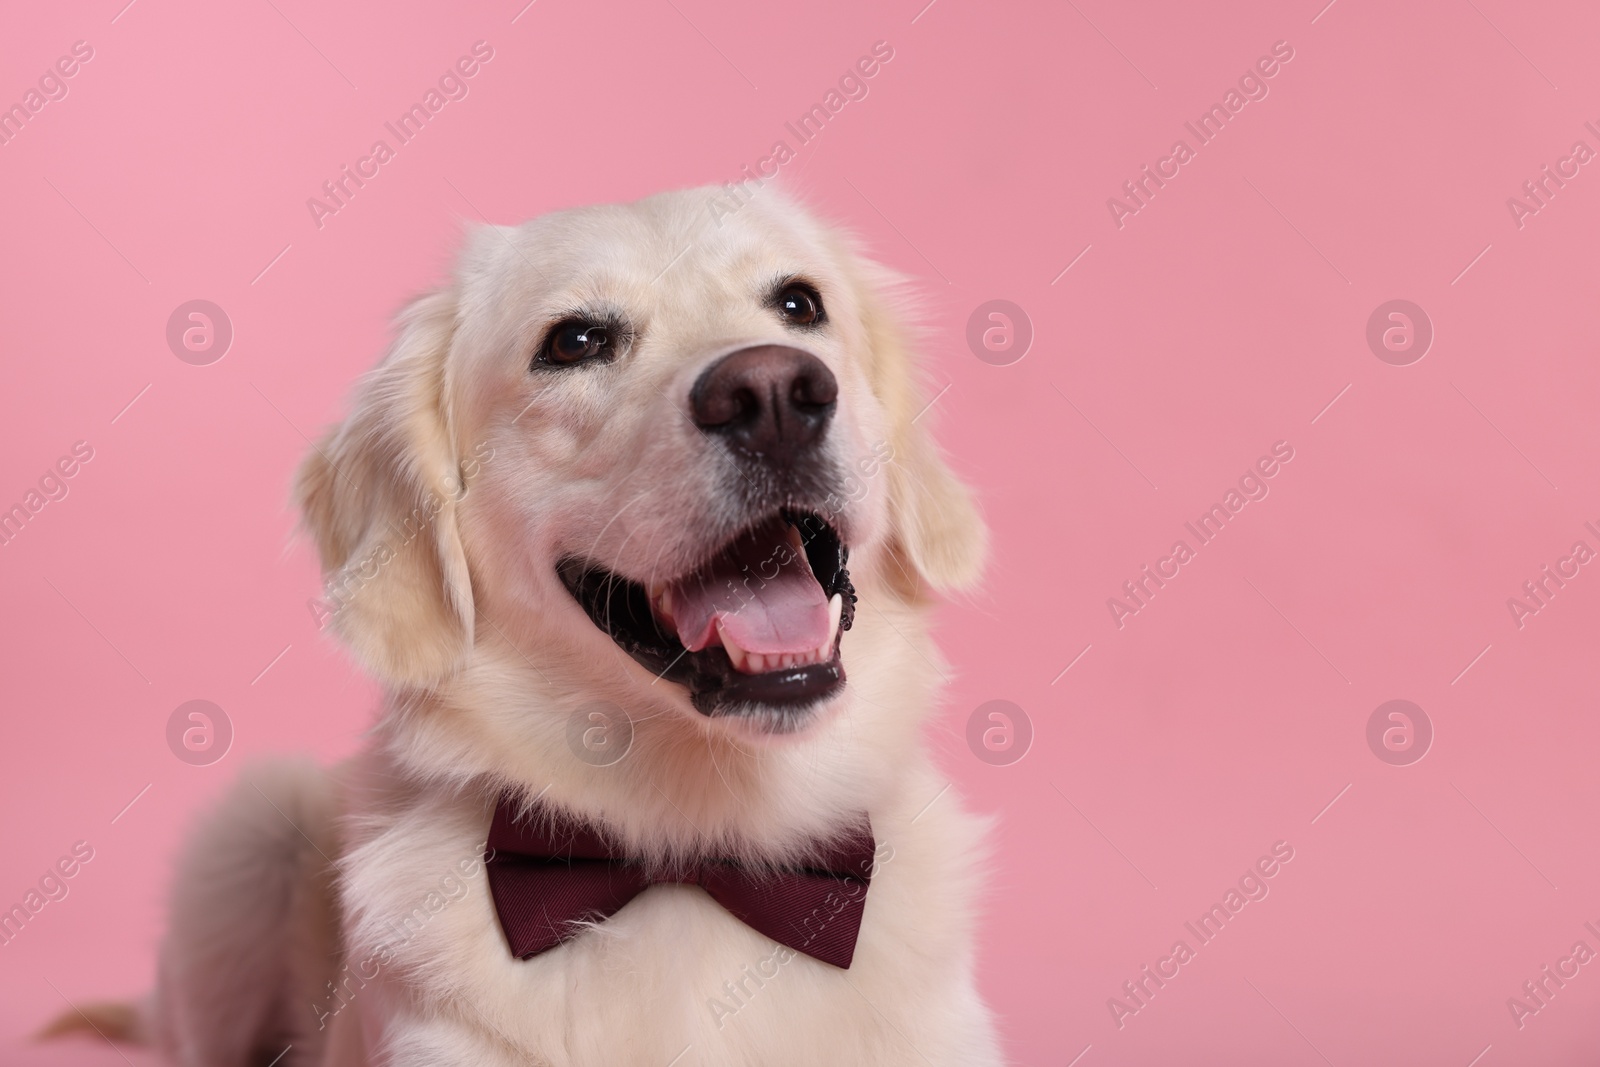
(656, 448)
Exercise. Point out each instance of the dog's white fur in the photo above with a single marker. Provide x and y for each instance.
(371, 877)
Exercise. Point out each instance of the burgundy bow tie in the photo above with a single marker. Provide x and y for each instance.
(544, 880)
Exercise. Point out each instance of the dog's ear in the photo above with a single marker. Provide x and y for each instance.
(936, 536)
(379, 495)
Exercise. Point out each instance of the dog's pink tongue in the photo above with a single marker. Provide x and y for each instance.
(762, 593)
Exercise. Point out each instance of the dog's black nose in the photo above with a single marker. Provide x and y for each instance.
(769, 400)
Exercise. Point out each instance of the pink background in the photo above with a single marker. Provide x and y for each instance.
(1223, 317)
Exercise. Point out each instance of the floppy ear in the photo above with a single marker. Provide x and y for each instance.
(936, 537)
(379, 495)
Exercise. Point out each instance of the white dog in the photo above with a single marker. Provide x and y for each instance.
(599, 523)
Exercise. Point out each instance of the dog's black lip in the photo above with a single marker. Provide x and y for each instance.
(620, 608)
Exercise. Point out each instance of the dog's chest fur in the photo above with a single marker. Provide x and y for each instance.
(671, 978)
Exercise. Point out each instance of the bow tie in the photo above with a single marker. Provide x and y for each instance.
(545, 879)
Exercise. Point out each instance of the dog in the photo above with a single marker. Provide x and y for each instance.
(639, 526)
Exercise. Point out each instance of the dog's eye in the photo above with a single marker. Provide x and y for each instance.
(800, 305)
(576, 341)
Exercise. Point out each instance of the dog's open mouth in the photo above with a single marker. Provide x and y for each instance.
(752, 630)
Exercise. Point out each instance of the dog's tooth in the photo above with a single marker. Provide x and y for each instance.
(760, 662)
(736, 655)
(743, 661)
(824, 651)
